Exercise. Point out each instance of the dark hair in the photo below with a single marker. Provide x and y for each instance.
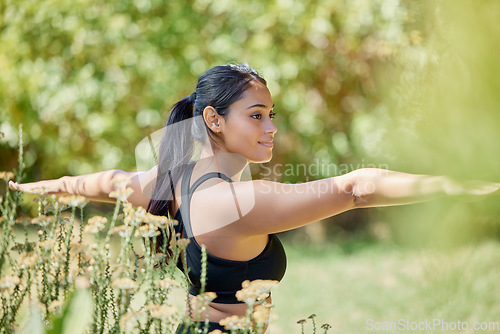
(219, 88)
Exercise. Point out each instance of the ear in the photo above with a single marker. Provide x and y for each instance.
(212, 119)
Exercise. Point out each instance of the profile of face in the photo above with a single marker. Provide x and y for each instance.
(248, 128)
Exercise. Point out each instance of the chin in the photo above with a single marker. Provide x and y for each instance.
(259, 160)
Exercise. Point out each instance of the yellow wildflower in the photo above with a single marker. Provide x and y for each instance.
(57, 259)
(261, 313)
(326, 327)
(82, 282)
(120, 181)
(128, 209)
(22, 220)
(204, 298)
(167, 283)
(147, 231)
(7, 176)
(255, 291)
(123, 230)
(159, 221)
(42, 220)
(28, 260)
(161, 311)
(9, 282)
(73, 201)
(40, 191)
(55, 306)
(121, 194)
(80, 247)
(46, 244)
(181, 243)
(124, 284)
(130, 321)
(233, 323)
(98, 220)
(96, 224)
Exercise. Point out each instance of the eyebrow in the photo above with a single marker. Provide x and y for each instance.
(259, 105)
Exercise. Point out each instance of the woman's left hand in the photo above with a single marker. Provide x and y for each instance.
(477, 188)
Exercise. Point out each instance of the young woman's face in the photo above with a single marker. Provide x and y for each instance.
(249, 129)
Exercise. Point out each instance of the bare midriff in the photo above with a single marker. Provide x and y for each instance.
(219, 311)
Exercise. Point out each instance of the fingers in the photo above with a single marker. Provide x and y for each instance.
(33, 188)
(13, 185)
(16, 186)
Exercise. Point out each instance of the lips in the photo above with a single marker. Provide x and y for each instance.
(267, 143)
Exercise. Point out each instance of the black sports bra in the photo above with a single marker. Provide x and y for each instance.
(224, 277)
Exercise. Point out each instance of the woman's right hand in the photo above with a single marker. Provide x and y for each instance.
(47, 187)
(96, 187)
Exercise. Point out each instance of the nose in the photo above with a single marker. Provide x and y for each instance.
(270, 127)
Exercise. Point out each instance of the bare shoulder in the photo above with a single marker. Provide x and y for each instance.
(143, 184)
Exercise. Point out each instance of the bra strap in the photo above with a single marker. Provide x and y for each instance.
(206, 177)
(187, 193)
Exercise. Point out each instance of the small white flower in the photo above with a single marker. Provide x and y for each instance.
(42, 220)
(233, 323)
(9, 282)
(122, 194)
(161, 311)
(122, 230)
(46, 244)
(130, 321)
(167, 283)
(124, 284)
(255, 291)
(147, 231)
(7, 176)
(73, 201)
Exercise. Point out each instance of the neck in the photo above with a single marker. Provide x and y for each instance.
(230, 164)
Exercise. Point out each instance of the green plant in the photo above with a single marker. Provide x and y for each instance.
(57, 260)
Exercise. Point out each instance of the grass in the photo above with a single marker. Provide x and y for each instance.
(387, 284)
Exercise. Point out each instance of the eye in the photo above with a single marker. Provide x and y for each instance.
(259, 116)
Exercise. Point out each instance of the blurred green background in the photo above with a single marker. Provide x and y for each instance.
(411, 86)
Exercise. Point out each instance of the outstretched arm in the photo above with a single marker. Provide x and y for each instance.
(264, 207)
(374, 187)
(96, 186)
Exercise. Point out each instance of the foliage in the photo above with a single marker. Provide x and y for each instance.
(441, 118)
(89, 79)
(53, 261)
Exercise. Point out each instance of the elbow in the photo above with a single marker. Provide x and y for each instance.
(360, 201)
(363, 188)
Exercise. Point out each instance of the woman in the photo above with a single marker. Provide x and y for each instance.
(230, 118)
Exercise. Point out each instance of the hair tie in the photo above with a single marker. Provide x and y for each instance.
(192, 97)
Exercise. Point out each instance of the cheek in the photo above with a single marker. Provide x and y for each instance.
(243, 137)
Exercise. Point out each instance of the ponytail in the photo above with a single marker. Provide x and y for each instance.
(182, 110)
(175, 149)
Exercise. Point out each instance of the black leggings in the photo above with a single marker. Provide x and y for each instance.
(184, 329)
